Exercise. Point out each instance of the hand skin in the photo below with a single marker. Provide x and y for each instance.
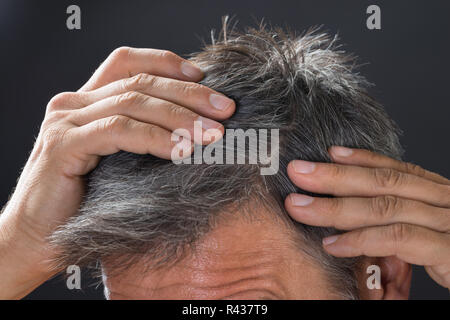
(133, 102)
(388, 208)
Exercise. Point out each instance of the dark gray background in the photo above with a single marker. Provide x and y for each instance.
(39, 57)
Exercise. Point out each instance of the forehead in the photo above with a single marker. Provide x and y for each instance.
(239, 258)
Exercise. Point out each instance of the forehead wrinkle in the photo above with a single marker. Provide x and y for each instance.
(214, 272)
(204, 283)
(263, 283)
(265, 274)
(260, 277)
(209, 274)
(237, 256)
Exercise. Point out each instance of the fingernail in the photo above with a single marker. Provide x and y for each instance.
(341, 151)
(190, 70)
(329, 240)
(220, 102)
(301, 166)
(301, 200)
(208, 123)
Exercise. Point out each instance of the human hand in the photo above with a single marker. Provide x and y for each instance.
(388, 207)
(133, 102)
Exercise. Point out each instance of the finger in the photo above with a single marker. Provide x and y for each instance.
(346, 180)
(110, 135)
(65, 101)
(125, 62)
(194, 96)
(352, 212)
(412, 244)
(439, 274)
(367, 158)
(151, 110)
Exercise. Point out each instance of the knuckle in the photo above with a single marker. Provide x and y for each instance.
(359, 236)
(150, 132)
(387, 178)
(139, 81)
(384, 207)
(61, 100)
(336, 171)
(52, 117)
(371, 156)
(115, 125)
(190, 90)
(334, 213)
(414, 169)
(177, 112)
(167, 54)
(129, 98)
(120, 54)
(334, 206)
(399, 232)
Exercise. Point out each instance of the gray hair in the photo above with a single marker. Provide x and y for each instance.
(139, 206)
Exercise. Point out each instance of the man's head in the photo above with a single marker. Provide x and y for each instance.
(165, 230)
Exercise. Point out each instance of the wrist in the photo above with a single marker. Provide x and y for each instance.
(25, 261)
